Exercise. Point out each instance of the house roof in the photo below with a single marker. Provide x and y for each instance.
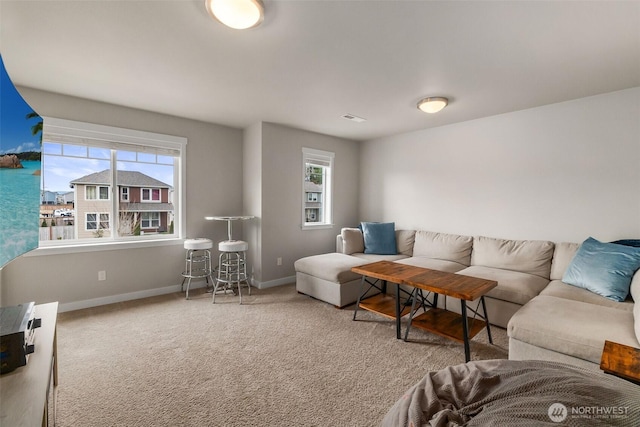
(310, 62)
(125, 179)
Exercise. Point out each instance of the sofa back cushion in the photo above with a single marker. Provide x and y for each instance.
(562, 256)
(450, 247)
(352, 241)
(526, 256)
(405, 240)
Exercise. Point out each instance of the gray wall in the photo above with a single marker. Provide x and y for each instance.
(213, 187)
(252, 197)
(561, 172)
(279, 226)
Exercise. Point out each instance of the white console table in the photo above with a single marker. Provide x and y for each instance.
(24, 392)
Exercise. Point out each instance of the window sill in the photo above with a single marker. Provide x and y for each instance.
(96, 247)
(317, 227)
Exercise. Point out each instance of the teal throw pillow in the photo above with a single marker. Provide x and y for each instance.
(379, 238)
(603, 268)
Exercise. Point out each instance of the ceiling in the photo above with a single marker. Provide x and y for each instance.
(310, 62)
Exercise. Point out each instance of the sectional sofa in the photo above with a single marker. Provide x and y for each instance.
(545, 318)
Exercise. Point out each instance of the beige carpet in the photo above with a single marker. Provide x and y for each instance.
(280, 359)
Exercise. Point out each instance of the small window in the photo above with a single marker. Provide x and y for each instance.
(150, 194)
(124, 194)
(94, 192)
(317, 188)
(97, 221)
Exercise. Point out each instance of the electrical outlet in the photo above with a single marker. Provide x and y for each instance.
(279, 261)
(102, 275)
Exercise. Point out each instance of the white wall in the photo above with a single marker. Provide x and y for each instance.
(252, 198)
(213, 187)
(561, 172)
(280, 223)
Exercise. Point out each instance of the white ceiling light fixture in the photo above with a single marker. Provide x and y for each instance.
(237, 14)
(432, 104)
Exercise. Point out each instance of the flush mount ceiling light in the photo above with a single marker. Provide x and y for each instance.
(237, 14)
(432, 104)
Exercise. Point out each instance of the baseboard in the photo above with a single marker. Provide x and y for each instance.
(95, 302)
(273, 283)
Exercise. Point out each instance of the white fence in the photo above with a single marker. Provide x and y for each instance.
(57, 232)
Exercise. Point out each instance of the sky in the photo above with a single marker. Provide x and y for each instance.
(15, 137)
(15, 129)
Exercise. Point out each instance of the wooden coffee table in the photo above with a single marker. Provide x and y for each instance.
(382, 303)
(436, 320)
(448, 324)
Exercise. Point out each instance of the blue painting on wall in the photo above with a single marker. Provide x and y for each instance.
(20, 146)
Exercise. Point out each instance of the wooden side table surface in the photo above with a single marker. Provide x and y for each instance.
(621, 360)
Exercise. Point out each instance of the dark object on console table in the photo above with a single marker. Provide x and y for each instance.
(17, 324)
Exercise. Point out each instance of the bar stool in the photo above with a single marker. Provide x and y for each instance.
(232, 267)
(197, 262)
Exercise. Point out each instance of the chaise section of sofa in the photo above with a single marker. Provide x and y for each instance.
(328, 277)
(569, 324)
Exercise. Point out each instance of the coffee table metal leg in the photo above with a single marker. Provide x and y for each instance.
(398, 325)
(486, 319)
(359, 297)
(465, 330)
(413, 307)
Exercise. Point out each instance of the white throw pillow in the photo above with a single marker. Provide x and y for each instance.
(352, 241)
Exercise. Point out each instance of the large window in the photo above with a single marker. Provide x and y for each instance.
(114, 173)
(317, 188)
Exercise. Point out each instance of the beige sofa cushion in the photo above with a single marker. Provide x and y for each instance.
(558, 288)
(432, 263)
(635, 295)
(450, 247)
(375, 257)
(404, 241)
(334, 267)
(570, 327)
(352, 240)
(526, 256)
(513, 286)
(562, 256)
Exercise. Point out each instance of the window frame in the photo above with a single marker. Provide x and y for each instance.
(325, 160)
(93, 135)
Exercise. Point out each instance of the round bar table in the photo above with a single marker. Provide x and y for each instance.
(229, 220)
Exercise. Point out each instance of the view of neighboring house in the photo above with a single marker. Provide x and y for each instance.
(313, 201)
(48, 197)
(56, 197)
(144, 204)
